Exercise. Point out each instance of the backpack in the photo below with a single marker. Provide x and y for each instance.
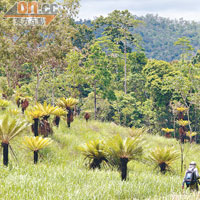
(190, 177)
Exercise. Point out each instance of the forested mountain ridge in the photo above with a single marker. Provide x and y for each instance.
(159, 34)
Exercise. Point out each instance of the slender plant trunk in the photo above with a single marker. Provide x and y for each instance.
(5, 153)
(57, 121)
(195, 123)
(124, 162)
(35, 126)
(188, 116)
(37, 87)
(69, 116)
(53, 89)
(125, 69)
(18, 103)
(182, 150)
(35, 157)
(95, 101)
(174, 126)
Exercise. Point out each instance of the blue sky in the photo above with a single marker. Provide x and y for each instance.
(186, 9)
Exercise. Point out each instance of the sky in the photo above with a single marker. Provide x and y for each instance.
(173, 9)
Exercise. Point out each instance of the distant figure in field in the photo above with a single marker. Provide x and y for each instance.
(87, 116)
(191, 177)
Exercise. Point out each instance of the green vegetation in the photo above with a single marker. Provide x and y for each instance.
(94, 151)
(104, 73)
(35, 144)
(68, 104)
(159, 35)
(120, 152)
(61, 167)
(9, 129)
(163, 157)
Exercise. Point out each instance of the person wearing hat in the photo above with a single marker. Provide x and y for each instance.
(191, 177)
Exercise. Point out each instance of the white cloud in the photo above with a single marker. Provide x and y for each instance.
(187, 9)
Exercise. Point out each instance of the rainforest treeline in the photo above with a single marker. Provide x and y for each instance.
(106, 67)
(159, 34)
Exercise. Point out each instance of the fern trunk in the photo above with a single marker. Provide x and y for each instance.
(57, 121)
(5, 153)
(124, 162)
(69, 117)
(35, 157)
(35, 126)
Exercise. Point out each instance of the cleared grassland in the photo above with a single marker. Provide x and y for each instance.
(62, 172)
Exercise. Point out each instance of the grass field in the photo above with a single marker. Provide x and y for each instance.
(62, 174)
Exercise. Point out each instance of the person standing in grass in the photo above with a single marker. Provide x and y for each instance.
(191, 177)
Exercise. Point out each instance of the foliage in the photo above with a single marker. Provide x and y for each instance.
(59, 112)
(94, 151)
(191, 134)
(10, 128)
(36, 143)
(4, 103)
(183, 122)
(163, 157)
(159, 35)
(54, 173)
(34, 114)
(67, 103)
(167, 130)
(137, 131)
(130, 148)
(181, 109)
(13, 112)
(45, 109)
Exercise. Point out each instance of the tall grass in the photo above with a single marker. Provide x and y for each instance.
(62, 174)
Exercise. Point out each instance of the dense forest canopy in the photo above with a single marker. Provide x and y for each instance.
(159, 34)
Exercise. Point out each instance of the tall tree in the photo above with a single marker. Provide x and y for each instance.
(98, 71)
(118, 25)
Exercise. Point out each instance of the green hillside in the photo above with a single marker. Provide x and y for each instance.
(159, 34)
(62, 172)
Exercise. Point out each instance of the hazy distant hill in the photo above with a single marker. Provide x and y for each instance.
(159, 35)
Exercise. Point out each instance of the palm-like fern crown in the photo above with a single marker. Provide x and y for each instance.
(36, 143)
(34, 114)
(67, 103)
(4, 103)
(59, 112)
(183, 122)
(191, 134)
(130, 148)
(137, 131)
(46, 109)
(167, 130)
(165, 155)
(9, 128)
(181, 109)
(14, 112)
(94, 149)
